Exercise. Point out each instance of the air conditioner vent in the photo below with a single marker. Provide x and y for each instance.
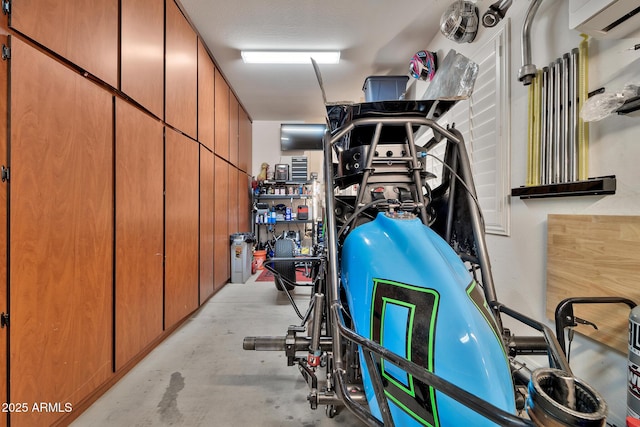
(610, 19)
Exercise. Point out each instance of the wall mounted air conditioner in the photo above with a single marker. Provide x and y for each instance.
(605, 18)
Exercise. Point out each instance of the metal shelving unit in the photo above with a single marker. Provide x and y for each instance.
(291, 187)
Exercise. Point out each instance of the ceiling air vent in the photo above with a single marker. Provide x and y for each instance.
(605, 18)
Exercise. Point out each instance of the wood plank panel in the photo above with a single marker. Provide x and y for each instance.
(244, 141)
(234, 143)
(181, 227)
(244, 223)
(234, 210)
(83, 31)
(594, 255)
(181, 79)
(142, 53)
(139, 231)
(222, 259)
(221, 116)
(3, 217)
(206, 85)
(61, 247)
(207, 227)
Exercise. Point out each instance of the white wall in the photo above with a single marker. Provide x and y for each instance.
(519, 261)
(266, 148)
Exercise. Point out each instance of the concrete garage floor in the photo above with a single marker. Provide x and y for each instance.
(201, 376)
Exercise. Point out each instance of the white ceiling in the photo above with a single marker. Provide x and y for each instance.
(376, 37)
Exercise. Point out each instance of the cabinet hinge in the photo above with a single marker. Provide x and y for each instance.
(4, 319)
(4, 173)
(6, 52)
(6, 7)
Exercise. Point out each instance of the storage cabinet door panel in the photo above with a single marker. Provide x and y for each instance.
(222, 246)
(139, 230)
(234, 143)
(142, 53)
(207, 229)
(205, 97)
(181, 90)
(234, 210)
(221, 116)
(3, 221)
(244, 141)
(61, 234)
(181, 228)
(243, 202)
(83, 31)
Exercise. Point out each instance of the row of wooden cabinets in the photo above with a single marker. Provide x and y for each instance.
(177, 82)
(127, 187)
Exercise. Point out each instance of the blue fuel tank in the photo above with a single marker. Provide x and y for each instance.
(408, 291)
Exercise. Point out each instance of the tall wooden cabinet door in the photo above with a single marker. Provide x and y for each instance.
(181, 84)
(61, 234)
(207, 230)
(3, 218)
(139, 231)
(244, 211)
(222, 246)
(234, 210)
(244, 141)
(83, 31)
(142, 53)
(234, 143)
(221, 116)
(181, 227)
(206, 87)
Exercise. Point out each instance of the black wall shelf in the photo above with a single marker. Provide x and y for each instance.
(590, 187)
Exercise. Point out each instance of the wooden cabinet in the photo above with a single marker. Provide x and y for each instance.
(139, 234)
(84, 32)
(206, 86)
(142, 53)
(244, 141)
(119, 220)
(233, 201)
(61, 234)
(222, 260)
(181, 227)
(221, 116)
(244, 202)
(4, 193)
(207, 228)
(234, 144)
(181, 72)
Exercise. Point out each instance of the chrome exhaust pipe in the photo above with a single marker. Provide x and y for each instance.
(564, 101)
(573, 115)
(527, 72)
(544, 128)
(557, 127)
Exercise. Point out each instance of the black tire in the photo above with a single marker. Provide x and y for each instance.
(287, 269)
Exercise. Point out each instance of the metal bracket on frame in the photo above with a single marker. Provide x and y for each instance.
(6, 7)
(6, 52)
(4, 173)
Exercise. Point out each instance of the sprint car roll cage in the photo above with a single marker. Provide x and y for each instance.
(372, 147)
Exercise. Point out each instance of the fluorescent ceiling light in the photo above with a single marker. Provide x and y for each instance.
(289, 57)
